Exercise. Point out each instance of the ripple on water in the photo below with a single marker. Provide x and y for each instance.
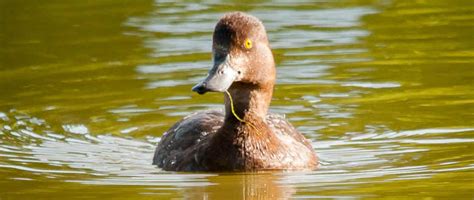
(408, 133)
(372, 85)
(76, 128)
(114, 160)
(130, 109)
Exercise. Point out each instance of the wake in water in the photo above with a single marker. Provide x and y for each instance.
(30, 144)
(72, 153)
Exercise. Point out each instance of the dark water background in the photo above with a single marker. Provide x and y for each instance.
(383, 88)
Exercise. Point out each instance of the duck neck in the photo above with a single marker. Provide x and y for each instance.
(246, 104)
(244, 125)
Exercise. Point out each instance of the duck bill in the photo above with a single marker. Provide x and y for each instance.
(220, 78)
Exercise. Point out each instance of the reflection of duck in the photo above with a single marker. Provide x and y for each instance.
(245, 137)
(249, 186)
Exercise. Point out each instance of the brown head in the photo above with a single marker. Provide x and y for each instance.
(241, 55)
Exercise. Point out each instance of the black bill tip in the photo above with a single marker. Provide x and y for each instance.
(200, 88)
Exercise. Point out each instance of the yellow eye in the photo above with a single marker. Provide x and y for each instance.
(248, 43)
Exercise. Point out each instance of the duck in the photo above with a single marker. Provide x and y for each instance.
(244, 136)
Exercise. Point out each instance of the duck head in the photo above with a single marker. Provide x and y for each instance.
(240, 53)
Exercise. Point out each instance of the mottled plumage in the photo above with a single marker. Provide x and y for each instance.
(247, 138)
(184, 145)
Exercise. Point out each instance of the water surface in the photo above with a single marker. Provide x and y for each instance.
(384, 89)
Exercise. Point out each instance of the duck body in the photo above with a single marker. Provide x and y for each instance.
(202, 142)
(244, 136)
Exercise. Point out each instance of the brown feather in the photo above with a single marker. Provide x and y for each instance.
(217, 140)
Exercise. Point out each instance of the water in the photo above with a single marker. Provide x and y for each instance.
(383, 89)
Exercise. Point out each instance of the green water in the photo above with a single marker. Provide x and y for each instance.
(384, 89)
